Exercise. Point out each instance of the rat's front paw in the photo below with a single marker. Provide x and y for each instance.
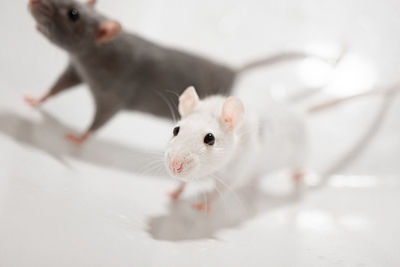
(175, 194)
(298, 177)
(33, 102)
(202, 206)
(78, 140)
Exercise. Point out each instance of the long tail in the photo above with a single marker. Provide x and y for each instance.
(374, 91)
(288, 56)
(351, 154)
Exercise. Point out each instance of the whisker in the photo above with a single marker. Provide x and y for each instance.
(174, 93)
(150, 166)
(222, 197)
(168, 104)
(230, 189)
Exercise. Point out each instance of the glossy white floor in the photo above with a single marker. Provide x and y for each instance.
(105, 204)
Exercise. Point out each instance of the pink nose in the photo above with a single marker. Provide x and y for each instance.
(176, 166)
(32, 2)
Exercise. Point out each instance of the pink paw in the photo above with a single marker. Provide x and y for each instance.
(298, 177)
(174, 195)
(203, 207)
(33, 102)
(78, 140)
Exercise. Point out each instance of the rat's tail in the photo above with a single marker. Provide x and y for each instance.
(388, 94)
(375, 91)
(289, 56)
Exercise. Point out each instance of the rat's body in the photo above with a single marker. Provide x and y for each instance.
(141, 77)
(217, 139)
(244, 145)
(122, 70)
(256, 140)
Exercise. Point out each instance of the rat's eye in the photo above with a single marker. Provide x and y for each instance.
(73, 14)
(176, 130)
(209, 139)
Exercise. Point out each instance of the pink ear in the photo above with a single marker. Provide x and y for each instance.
(91, 3)
(188, 101)
(232, 112)
(108, 31)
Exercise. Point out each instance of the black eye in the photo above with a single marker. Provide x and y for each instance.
(176, 130)
(209, 139)
(73, 14)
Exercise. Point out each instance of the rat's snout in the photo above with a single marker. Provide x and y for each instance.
(42, 10)
(180, 165)
(176, 166)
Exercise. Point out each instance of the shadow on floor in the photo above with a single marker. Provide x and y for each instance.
(48, 134)
(183, 223)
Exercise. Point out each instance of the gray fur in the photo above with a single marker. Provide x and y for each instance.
(128, 72)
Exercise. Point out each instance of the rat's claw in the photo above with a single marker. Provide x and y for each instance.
(202, 206)
(33, 102)
(78, 140)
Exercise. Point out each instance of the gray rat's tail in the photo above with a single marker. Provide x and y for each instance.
(390, 90)
(288, 56)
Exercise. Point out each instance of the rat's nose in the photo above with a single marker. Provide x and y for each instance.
(176, 166)
(32, 2)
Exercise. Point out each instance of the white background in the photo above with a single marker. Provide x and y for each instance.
(105, 204)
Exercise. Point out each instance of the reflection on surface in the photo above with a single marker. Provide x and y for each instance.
(314, 72)
(48, 134)
(316, 220)
(354, 222)
(353, 181)
(356, 74)
(230, 211)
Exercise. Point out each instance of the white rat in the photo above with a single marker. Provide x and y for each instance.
(216, 138)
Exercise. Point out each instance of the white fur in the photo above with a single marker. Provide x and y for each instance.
(240, 153)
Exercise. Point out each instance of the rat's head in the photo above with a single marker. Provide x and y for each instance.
(205, 138)
(72, 25)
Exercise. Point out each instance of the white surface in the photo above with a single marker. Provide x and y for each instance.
(105, 204)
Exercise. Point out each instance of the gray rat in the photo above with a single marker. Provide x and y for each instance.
(122, 70)
(219, 138)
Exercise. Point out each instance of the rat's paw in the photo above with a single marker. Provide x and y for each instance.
(174, 195)
(75, 139)
(299, 185)
(298, 177)
(202, 206)
(33, 102)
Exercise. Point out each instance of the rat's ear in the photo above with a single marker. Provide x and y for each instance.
(108, 31)
(232, 112)
(188, 101)
(91, 3)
